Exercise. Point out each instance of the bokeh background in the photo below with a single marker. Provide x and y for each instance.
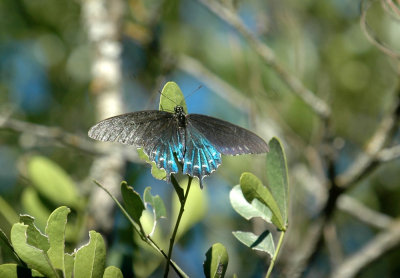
(64, 65)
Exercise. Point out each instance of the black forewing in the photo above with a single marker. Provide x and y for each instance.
(154, 131)
(228, 139)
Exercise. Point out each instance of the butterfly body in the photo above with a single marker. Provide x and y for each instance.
(196, 140)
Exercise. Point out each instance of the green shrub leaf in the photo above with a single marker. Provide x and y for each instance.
(248, 211)
(69, 260)
(157, 173)
(53, 182)
(133, 203)
(253, 188)
(216, 261)
(55, 231)
(171, 96)
(112, 272)
(277, 175)
(263, 242)
(34, 206)
(14, 271)
(34, 235)
(156, 202)
(31, 255)
(90, 259)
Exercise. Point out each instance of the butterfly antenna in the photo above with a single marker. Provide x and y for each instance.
(198, 88)
(167, 98)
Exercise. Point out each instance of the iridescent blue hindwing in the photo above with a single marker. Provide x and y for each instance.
(201, 157)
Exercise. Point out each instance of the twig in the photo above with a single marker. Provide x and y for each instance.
(363, 213)
(178, 220)
(373, 154)
(139, 229)
(219, 86)
(369, 34)
(271, 265)
(267, 54)
(57, 135)
(381, 244)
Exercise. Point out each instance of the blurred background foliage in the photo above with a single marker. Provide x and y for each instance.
(45, 79)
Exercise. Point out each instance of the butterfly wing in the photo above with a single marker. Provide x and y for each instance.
(154, 131)
(227, 138)
(201, 157)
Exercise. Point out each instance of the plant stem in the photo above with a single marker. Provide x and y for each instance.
(139, 230)
(178, 220)
(271, 265)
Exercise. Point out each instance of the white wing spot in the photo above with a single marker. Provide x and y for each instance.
(210, 161)
(188, 163)
(204, 166)
(161, 158)
(196, 167)
(170, 162)
(155, 152)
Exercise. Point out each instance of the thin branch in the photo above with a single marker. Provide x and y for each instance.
(389, 154)
(218, 85)
(178, 221)
(369, 34)
(363, 213)
(376, 248)
(267, 54)
(58, 135)
(373, 155)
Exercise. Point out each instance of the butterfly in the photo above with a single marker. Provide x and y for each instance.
(197, 141)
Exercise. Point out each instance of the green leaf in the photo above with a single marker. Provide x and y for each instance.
(90, 259)
(34, 235)
(156, 202)
(8, 212)
(53, 182)
(34, 206)
(133, 203)
(156, 172)
(6, 247)
(263, 242)
(68, 265)
(252, 188)
(112, 272)
(216, 261)
(195, 208)
(277, 175)
(14, 271)
(248, 211)
(171, 96)
(55, 231)
(31, 255)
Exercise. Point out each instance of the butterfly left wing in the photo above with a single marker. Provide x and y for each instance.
(227, 138)
(154, 131)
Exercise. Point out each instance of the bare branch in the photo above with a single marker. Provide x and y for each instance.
(50, 133)
(381, 244)
(369, 34)
(267, 54)
(363, 213)
(219, 86)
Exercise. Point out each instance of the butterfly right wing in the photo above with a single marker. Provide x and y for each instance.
(153, 130)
